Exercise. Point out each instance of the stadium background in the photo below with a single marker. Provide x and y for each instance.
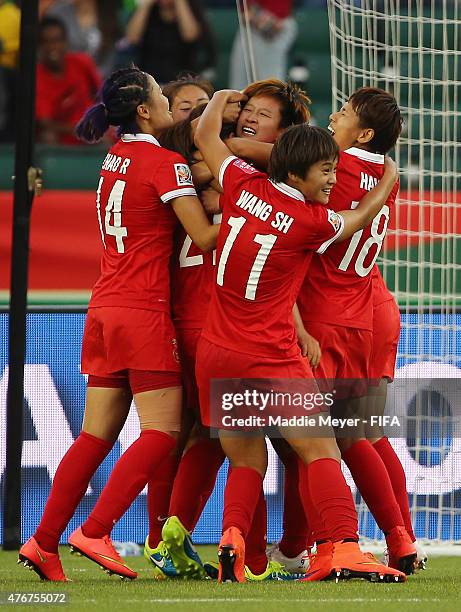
(64, 263)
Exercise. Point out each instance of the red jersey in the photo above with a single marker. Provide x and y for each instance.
(267, 233)
(191, 280)
(338, 288)
(65, 97)
(381, 293)
(138, 179)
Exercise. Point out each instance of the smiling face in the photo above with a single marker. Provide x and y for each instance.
(185, 100)
(345, 128)
(260, 119)
(318, 182)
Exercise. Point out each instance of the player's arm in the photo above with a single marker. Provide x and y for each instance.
(192, 217)
(310, 348)
(207, 133)
(370, 205)
(251, 150)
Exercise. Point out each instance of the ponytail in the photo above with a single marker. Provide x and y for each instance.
(122, 92)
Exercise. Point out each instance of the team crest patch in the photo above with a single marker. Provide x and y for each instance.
(334, 219)
(239, 163)
(183, 174)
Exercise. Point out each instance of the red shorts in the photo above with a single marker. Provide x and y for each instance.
(386, 333)
(116, 339)
(346, 353)
(187, 344)
(214, 361)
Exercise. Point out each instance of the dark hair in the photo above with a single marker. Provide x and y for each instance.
(122, 92)
(179, 136)
(299, 148)
(171, 89)
(52, 22)
(294, 103)
(377, 109)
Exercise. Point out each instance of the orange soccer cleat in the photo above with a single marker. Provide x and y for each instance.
(47, 565)
(402, 551)
(350, 562)
(231, 556)
(102, 551)
(320, 566)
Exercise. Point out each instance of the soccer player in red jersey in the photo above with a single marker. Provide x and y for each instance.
(270, 228)
(336, 301)
(129, 347)
(270, 108)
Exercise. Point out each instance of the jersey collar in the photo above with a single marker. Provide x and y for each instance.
(289, 191)
(140, 138)
(377, 158)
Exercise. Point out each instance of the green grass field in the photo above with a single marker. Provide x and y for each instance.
(437, 588)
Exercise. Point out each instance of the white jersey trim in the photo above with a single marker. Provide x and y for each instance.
(289, 191)
(377, 158)
(177, 193)
(323, 247)
(141, 138)
(223, 168)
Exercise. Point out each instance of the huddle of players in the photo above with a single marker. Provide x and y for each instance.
(259, 275)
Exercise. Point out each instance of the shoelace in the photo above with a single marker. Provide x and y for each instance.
(111, 547)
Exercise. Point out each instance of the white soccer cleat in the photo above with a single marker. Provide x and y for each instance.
(295, 565)
(421, 556)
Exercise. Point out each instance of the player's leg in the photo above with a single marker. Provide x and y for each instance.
(158, 402)
(105, 413)
(248, 462)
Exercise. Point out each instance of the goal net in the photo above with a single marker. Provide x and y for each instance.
(413, 48)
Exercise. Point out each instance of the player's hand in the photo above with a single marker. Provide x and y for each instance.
(391, 166)
(210, 201)
(233, 99)
(310, 348)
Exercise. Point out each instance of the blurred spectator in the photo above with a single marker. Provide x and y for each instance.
(92, 26)
(10, 18)
(273, 31)
(66, 84)
(186, 93)
(172, 36)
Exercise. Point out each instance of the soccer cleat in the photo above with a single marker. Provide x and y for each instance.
(159, 558)
(46, 565)
(273, 571)
(402, 551)
(181, 550)
(350, 562)
(231, 556)
(319, 567)
(211, 569)
(295, 565)
(421, 556)
(101, 551)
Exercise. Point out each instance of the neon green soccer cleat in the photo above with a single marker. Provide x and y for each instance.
(273, 571)
(159, 558)
(181, 550)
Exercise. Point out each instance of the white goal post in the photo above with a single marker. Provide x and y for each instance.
(413, 49)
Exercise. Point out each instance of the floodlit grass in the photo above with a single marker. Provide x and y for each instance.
(437, 588)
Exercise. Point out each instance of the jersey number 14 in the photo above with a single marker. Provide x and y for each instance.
(113, 207)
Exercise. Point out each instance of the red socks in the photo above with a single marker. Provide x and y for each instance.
(241, 497)
(195, 481)
(295, 526)
(69, 486)
(372, 480)
(398, 480)
(128, 478)
(333, 499)
(158, 497)
(317, 531)
(255, 544)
